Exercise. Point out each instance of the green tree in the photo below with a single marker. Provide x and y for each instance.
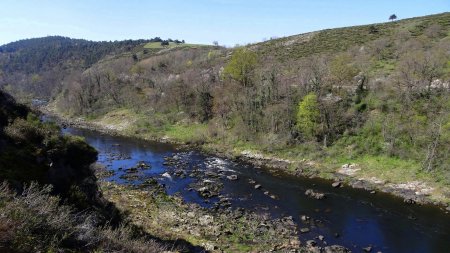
(241, 66)
(308, 115)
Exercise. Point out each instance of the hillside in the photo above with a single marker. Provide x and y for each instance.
(49, 197)
(375, 95)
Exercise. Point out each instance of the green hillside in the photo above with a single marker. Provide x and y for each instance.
(373, 95)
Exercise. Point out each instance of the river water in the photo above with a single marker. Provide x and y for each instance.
(349, 217)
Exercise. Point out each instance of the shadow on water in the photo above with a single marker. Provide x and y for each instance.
(349, 217)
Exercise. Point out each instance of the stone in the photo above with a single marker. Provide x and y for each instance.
(206, 220)
(316, 195)
(336, 184)
(304, 218)
(258, 186)
(304, 230)
(335, 249)
(321, 237)
(311, 243)
(232, 177)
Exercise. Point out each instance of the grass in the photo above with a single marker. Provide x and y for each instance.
(157, 45)
(35, 221)
(341, 39)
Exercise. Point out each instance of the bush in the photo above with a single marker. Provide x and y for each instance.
(35, 221)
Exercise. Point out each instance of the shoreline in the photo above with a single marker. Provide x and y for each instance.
(415, 192)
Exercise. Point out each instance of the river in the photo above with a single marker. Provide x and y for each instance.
(349, 217)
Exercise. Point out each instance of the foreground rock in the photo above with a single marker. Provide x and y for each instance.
(221, 230)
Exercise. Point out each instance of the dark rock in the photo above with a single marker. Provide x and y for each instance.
(336, 184)
(409, 201)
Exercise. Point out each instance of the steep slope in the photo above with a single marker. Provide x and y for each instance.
(49, 199)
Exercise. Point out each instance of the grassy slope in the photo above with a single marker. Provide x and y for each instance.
(341, 39)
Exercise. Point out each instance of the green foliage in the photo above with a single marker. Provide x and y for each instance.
(308, 115)
(241, 66)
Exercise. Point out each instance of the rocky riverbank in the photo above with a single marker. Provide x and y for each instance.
(414, 192)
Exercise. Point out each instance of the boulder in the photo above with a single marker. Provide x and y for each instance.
(336, 184)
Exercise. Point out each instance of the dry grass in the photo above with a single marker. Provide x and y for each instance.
(35, 221)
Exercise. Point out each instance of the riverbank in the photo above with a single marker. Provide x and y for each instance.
(361, 173)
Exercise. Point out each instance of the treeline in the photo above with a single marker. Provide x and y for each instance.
(35, 55)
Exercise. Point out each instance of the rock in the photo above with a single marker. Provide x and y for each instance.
(258, 186)
(336, 184)
(304, 230)
(143, 165)
(336, 249)
(367, 249)
(167, 175)
(311, 243)
(251, 181)
(316, 195)
(321, 237)
(409, 201)
(206, 220)
(373, 192)
(304, 218)
(232, 177)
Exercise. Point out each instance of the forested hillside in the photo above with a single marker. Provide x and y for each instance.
(375, 95)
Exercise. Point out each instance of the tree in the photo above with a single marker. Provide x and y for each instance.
(392, 17)
(308, 115)
(241, 66)
(216, 43)
(206, 106)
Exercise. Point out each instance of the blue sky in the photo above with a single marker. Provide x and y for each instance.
(197, 21)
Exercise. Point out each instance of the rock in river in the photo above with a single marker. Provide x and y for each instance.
(316, 195)
(336, 184)
(304, 230)
(232, 177)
